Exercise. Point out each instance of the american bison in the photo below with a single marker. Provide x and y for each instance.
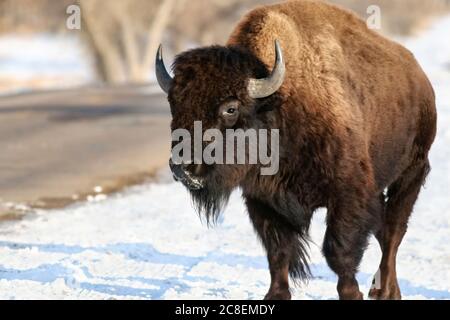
(356, 116)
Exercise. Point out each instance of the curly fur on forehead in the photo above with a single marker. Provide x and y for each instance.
(214, 74)
(218, 62)
(207, 77)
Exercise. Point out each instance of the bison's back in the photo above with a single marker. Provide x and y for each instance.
(372, 85)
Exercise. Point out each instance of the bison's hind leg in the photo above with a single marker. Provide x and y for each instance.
(349, 225)
(285, 247)
(402, 195)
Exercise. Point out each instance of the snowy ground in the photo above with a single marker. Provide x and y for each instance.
(148, 243)
(44, 61)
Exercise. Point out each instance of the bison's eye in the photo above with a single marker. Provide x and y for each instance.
(229, 112)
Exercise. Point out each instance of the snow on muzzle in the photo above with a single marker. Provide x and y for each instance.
(181, 174)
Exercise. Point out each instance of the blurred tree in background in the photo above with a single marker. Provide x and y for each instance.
(123, 35)
(32, 15)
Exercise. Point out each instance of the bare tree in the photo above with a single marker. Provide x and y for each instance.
(124, 35)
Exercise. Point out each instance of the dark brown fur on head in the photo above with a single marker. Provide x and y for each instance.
(204, 79)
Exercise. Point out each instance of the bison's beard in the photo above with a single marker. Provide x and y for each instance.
(211, 200)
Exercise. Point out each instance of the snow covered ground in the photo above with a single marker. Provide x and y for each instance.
(44, 61)
(148, 242)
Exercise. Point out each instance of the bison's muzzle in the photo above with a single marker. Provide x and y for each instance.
(181, 174)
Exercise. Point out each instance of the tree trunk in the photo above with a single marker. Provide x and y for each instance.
(155, 35)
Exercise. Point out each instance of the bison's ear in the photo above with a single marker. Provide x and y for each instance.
(262, 88)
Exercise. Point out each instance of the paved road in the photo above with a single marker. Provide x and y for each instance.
(57, 146)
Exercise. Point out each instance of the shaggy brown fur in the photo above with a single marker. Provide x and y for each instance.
(356, 116)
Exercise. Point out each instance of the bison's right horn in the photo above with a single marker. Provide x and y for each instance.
(162, 75)
(261, 88)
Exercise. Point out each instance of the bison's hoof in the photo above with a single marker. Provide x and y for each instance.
(383, 294)
(279, 295)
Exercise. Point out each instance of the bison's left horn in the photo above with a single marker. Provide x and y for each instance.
(162, 75)
(261, 88)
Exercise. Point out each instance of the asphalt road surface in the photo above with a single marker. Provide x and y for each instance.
(56, 147)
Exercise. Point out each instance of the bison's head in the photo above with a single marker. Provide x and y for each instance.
(223, 88)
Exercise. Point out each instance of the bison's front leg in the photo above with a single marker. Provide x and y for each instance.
(282, 245)
(348, 229)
